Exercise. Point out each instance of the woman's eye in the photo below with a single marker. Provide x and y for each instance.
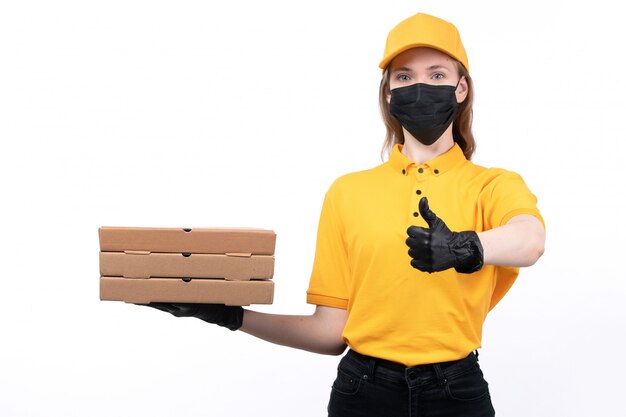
(403, 77)
(438, 76)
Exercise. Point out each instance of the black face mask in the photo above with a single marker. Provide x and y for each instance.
(424, 110)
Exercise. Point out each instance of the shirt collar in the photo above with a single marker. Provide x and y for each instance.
(438, 165)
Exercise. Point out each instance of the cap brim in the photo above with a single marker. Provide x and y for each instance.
(383, 64)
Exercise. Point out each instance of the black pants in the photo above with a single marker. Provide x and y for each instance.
(371, 387)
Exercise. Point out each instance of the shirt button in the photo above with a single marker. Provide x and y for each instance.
(418, 192)
(403, 171)
(420, 170)
(416, 214)
(436, 171)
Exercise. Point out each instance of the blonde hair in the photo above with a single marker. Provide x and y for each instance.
(461, 125)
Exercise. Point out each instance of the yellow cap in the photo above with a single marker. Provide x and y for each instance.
(424, 30)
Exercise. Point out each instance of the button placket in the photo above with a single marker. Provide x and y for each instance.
(419, 189)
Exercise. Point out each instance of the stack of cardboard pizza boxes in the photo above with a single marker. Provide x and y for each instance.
(212, 265)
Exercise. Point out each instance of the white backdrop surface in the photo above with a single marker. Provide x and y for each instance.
(198, 114)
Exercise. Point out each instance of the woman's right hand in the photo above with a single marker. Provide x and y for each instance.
(230, 317)
(320, 332)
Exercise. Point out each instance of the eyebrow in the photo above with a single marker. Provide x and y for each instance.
(431, 68)
(434, 67)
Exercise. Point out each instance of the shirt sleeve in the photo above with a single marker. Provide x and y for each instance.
(330, 277)
(505, 197)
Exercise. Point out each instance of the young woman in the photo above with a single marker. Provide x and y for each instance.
(412, 254)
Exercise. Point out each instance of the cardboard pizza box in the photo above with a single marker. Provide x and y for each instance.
(209, 291)
(175, 240)
(136, 264)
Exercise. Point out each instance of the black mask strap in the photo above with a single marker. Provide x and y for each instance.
(458, 82)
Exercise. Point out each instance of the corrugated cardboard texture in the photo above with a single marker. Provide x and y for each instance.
(209, 291)
(213, 240)
(232, 268)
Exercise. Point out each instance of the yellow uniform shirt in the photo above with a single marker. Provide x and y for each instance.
(361, 264)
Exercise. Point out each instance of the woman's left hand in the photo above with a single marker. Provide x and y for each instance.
(437, 248)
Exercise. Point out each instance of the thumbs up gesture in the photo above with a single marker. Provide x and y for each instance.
(437, 248)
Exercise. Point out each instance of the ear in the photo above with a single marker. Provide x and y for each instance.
(461, 90)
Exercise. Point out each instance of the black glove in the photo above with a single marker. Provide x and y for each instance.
(437, 248)
(230, 317)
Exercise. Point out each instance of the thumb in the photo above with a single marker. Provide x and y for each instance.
(427, 213)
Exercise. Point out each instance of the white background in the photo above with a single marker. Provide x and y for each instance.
(198, 114)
